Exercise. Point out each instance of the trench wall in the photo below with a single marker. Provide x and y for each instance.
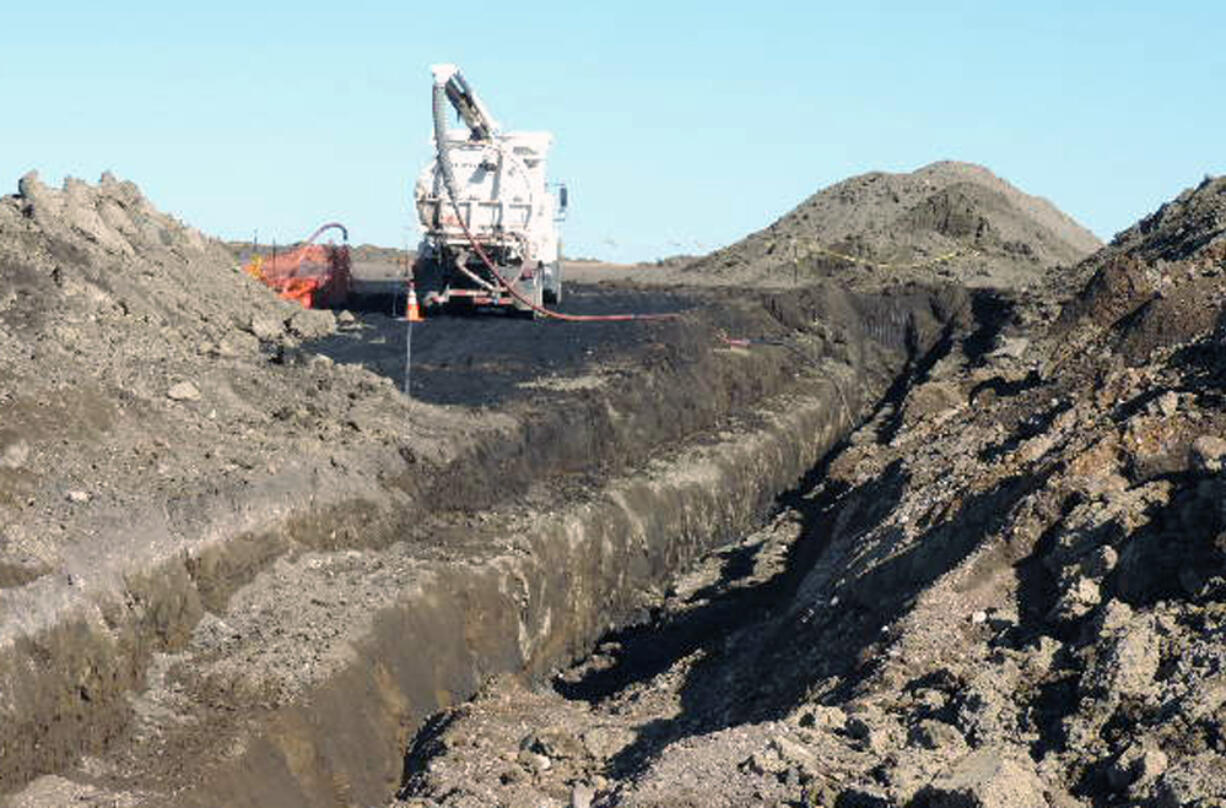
(519, 612)
(63, 681)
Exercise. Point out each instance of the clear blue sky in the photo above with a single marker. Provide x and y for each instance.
(680, 126)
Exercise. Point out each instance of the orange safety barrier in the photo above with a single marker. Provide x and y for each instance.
(312, 275)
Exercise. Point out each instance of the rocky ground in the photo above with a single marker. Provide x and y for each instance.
(140, 365)
(1006, 589)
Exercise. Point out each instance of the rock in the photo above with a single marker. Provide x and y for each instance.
(14, 454)
(81, 214)
(794, 753)
(864, 729)
(603, 743)
(238, 343)
(30, 186)
(1136, 767)
(932, 734)
(1079, 599)
(1127, 662)
(1114, 617)
(979, 617)
(1100, 562)
(1208, 453)
(1167, 404)
(986, 778)
(183, 391)
(766, 762)
(266, 327)
(1035, 448)
(1010, 348)
(312, 323)
(554, 744)
(581, 796)
(820, 716)
(1199, 780)
(932, 400)
(345, 319)
(78, 496)
(534, 761)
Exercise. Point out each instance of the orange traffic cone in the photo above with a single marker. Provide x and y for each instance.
(413, 314)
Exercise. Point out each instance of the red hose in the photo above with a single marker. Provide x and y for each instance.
(557, 315)
(440, 143)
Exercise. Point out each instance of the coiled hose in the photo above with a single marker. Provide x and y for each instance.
(444, 161)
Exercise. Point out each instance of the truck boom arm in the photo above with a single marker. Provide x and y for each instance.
(478, 119)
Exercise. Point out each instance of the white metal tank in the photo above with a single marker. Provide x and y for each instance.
(502, 193)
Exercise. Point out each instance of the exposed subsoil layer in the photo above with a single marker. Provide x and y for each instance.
(240, 567)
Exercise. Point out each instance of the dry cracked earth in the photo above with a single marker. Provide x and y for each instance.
(1003, 587)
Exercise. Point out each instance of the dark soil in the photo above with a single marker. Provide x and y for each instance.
(484, 359)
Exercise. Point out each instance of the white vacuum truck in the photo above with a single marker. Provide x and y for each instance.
(489, 221)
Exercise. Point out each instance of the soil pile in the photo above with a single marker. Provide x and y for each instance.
(1189, 226)
(1007, 589)
(949, 219)
(140, 365)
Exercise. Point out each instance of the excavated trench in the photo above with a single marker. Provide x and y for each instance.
(293, 665)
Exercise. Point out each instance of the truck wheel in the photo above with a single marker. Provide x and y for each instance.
(537, 296)
(553, 290)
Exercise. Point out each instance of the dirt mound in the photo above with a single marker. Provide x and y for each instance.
(1156, 285)
(101, 268)
(954, 219)
(135, 356)
(1189, 225)
(1007, 589)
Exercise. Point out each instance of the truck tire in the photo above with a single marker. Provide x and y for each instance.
(553, 288)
